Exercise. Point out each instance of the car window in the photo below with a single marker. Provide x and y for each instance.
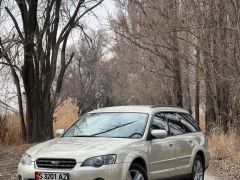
(188, 121)
(187, 125)
(111, 125)
(159, 122)
(175, 125)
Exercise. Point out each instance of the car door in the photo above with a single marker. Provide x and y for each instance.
(162, 151)
(191, 135)
(184, 144)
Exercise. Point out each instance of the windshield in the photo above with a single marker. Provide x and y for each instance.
(113, 125)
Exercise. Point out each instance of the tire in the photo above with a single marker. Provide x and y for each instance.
(197, 169)
(136, 170)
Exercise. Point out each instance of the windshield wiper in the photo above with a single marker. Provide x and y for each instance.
(103, 132)
(81, 136)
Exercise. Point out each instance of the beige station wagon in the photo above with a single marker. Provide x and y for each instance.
(122, 143)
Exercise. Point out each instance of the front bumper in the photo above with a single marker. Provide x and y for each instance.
(107, 172)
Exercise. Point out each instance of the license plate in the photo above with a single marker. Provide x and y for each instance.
(51, 176)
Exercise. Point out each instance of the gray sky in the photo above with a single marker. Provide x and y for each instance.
(101, 12)
(96, 20)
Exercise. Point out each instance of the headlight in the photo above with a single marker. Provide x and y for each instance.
(98, 161)
(26, 159)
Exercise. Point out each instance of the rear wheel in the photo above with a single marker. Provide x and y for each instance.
(197, 169)
(136, 172)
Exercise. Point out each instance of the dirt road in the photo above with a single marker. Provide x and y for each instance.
(10, 156)
(209, 176)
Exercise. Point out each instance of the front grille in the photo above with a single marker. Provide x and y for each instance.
(56, 163)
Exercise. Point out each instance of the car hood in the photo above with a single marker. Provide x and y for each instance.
(78, 148)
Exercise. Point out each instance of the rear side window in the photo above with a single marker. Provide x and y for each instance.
(175, 125)
(188, 123)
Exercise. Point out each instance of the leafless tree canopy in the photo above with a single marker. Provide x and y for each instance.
(85, 80)
(186, 51)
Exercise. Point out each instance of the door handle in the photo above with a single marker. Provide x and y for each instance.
(190, 142)
(171, 145)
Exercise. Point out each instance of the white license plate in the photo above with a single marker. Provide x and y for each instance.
(51, 176)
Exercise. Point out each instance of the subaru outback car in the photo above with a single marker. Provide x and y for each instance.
(121, 143)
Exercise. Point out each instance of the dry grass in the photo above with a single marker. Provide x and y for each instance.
(10, 130)
(64, 116)
(224, 146)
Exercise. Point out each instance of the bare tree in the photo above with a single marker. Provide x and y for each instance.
(204, 35)
(85, 79)
(43, 31)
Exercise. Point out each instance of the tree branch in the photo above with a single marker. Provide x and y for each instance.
(15, 23)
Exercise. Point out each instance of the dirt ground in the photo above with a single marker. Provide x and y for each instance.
(10, 157)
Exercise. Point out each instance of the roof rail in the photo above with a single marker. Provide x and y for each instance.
(156, 106)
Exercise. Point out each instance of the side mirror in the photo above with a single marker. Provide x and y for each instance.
(59, 132)
(159, 134)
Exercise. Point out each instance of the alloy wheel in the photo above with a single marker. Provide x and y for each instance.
(134, 175)
(198, 170)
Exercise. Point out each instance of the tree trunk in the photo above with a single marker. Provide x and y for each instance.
(47, 118)
(39, 116)
(210, 116)
(177, 86)
(188, 84)
(197, 90)
(35, 115)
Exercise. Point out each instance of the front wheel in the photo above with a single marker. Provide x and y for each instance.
(136, 172)
(197, 169)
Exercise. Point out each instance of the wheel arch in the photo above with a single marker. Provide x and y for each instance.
(141, 161)
(202, 155)
(134, 158)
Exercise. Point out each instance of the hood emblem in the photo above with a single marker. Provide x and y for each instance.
(54, 162)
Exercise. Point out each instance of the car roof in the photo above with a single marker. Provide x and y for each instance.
(149, 109)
